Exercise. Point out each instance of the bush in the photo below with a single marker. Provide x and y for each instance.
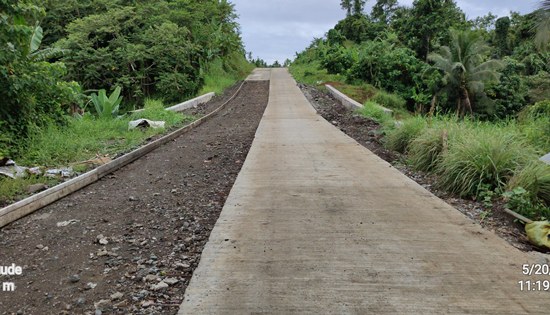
(389, 100)
(424, 151)
(399, 138)
(482, 157)
(535, 125)
(534, 178)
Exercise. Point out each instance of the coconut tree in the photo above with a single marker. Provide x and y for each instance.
(543, 26)
(465, 68)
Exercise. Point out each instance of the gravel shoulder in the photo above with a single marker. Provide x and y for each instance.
(129, 243)
(368, 134)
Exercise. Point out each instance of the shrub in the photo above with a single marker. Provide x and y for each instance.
(424, 151)
(389, 100)
(399, 138)
(534, 178)
(482, 157)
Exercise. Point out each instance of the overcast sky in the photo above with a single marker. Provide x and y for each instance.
(276, 30)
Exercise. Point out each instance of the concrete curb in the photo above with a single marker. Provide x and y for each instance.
(187, 104)
(192, 103)
(28, 205)
(348, 102)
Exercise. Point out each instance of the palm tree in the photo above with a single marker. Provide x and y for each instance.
(542, 38)
(464, 67)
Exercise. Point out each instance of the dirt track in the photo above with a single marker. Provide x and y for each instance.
(154, 215)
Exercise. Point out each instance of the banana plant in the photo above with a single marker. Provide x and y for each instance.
(34, 53)
(107, 107)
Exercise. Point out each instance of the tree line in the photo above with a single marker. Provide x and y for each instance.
(55, 53)
(434, 57)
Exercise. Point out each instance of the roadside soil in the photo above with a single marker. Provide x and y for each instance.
(128, 244)
(368, 133)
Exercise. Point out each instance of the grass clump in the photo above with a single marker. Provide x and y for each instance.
(425, 151)
(483, 157)
(391, 101)
(535, 179)
(373, 111)
(398, 139)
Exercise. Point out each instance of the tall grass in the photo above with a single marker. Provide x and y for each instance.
(82, 138)
(398, 139)
(534, 178)
(482, 157)
(389, 100)
(219, 75)
(373, 111)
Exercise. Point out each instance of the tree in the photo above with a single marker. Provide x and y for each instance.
(346, 5)
(502, 26)
(33, 92)
(358, 6)
(464, 68)
(427, 24)
(542, 37)
(383, 10)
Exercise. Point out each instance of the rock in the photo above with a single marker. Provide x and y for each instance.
(171, 281)
(116, 296)
(39, 246)
(66, 223)
(102, 305)
(74, 278)
(132, 198)
(150, 278)
(147, 303)
(36, 188)
(80, 301)
(159, 286)
(102, 252)
(102, 239)
(91, 285)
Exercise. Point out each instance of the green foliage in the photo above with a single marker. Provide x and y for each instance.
(424, 151)
(161, 48)
(426, 24)
(521, 201)
(373, 111)
(510, 93)
(11, 190)
(502, 27)
(154, 109)
(33, 91)
(465, 69)
(387, 66)
(535, 179)
(107, 107)
(337, 60)
(399, 139)
(484, 156)
(389, 100)
(87, 136)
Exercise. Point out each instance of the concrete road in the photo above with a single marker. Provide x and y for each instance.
(317, 224)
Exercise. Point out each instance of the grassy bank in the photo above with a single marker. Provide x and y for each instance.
(482, 160)
(82, 139)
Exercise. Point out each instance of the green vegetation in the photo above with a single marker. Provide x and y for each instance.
(69, 70)
(478, 90)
